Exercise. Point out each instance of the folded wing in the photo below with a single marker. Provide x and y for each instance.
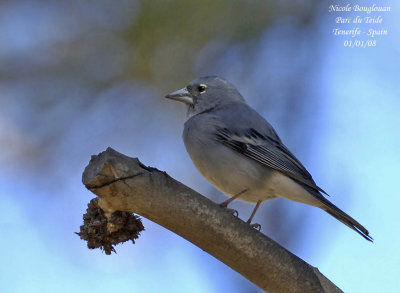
(268, 151)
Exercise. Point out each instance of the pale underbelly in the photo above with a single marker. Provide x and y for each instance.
(232, 173)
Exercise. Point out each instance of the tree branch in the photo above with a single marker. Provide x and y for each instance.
(125, 184)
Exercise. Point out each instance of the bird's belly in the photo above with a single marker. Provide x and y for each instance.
(232, 173)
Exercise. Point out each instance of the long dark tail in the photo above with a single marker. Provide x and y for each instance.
(334, 211)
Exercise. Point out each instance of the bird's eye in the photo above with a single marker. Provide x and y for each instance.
(201, 88)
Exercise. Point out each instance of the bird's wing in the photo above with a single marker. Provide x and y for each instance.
(268, 151)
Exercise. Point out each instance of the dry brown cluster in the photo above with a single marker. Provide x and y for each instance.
(104, 233)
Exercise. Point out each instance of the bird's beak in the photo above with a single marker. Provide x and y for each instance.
(181, 95)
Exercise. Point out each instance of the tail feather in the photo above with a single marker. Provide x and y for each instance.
(346, 219)
(330, 208)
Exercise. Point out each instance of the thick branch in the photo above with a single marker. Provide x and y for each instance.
(124, 184)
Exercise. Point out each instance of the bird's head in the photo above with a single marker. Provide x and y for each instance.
(205, 94)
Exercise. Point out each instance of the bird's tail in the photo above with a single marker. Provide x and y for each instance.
(334, 211)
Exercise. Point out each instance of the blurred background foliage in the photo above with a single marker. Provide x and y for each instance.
(78, 76)
(55, 54)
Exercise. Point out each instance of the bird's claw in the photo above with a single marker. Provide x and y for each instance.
(256, 226)
(231, 211)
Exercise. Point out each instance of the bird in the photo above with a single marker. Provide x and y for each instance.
(241, 154)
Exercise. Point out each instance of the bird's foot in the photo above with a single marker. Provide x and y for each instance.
(255, 226)
(231, 211)
(223, 204)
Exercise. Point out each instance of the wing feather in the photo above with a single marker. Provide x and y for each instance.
(268, 151)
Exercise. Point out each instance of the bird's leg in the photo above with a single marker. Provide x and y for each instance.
(256, 226)
(229, 200)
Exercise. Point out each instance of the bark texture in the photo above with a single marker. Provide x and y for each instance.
(125, 184)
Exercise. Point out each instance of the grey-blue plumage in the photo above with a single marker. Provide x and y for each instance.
(241, 154)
